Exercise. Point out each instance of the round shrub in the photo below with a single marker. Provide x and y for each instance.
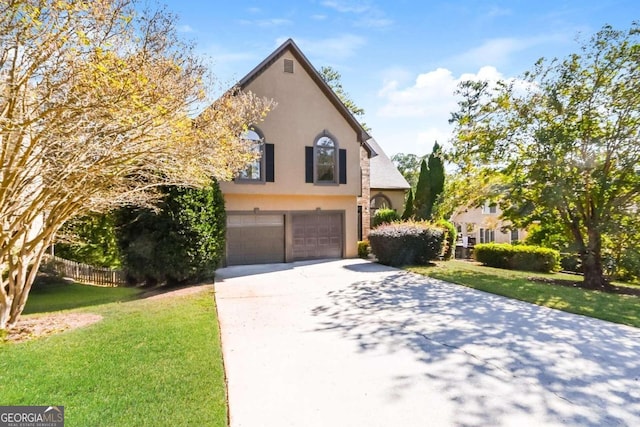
(384, 216)
(520, 257)
(363, 249)
(406, 243)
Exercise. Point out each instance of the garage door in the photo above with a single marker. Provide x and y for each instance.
(255, 239)
(317, 235)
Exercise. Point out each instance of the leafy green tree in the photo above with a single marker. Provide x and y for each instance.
(91, 240)
(409, 166)
(334, 79)
(408, 207)
(96, 107)
(182, 242)
(563, 141)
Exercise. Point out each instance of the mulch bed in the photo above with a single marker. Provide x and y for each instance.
(30, 328)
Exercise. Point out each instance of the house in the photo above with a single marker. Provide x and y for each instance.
(388, 186)
(483, 225)
(307, 197)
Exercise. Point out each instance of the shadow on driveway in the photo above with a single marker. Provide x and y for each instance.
(490, 355)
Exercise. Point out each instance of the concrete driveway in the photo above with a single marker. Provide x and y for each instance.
(351, 343)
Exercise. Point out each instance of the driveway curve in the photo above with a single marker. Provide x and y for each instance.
(353, 343)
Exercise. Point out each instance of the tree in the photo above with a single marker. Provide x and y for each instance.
(408, 207)
(564, 141)
(96, 103)
(430, 184)
(409, 166)
(436, 177)
(181, 242)
(334, 79)
(423, 193)
(90, 239)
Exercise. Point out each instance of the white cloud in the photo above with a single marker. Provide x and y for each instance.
(431, 96)
(499, 51)
(495, 11)
(319, 17)
(332, 48)
(373, 22)
(185, 29)
(266, 23)
(347, 6)
(422, 109)
(369, 16)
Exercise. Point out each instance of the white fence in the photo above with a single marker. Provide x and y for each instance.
(85, 273)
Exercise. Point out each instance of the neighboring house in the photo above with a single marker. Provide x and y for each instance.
(482, 225)
(308, 195)
(388, 186)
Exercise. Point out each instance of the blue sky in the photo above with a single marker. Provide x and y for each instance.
(400, 60)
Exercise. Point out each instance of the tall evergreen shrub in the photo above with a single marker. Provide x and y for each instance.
(182, 242)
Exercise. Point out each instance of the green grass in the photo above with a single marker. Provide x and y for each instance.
(624, 309)
(57, 294)
(147, 363)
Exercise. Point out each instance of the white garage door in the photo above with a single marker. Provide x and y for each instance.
(317, 235)
(255, 239)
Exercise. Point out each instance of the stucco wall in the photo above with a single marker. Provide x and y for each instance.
(396, 197)
(302, 113)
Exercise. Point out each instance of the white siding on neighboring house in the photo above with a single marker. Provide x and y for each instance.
(483, 225)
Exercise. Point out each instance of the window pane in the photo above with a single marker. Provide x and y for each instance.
(325, 160)
(254, 169)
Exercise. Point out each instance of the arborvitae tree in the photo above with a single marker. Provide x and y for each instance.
(436, 177)
(422, 196)
(408, 207)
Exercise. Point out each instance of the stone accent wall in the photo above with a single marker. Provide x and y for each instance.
(365, 196)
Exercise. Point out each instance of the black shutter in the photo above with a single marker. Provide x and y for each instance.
(269, 163)
(308, 164)
(342, 165)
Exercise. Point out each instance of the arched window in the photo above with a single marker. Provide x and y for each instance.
(254, 170)
(380, 201)
(325, 153)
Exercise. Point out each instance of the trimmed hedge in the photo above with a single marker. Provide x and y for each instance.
(406, 243)
(517, 257)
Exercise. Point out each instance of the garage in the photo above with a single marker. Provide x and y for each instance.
(317, 235)
(255, 238)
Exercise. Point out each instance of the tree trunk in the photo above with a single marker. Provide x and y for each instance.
(5, 311)
(23, 275)
(592, 263)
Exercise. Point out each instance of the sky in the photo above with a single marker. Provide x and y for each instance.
(400, 60)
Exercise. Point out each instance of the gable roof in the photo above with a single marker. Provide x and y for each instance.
(290, 46)
(384, 174)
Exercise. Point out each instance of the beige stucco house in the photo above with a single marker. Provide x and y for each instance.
(388, 186)
(483, 225)
(308, 195)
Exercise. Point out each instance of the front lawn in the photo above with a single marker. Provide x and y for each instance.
(53, 294)
(624, 309)
(149, 362)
